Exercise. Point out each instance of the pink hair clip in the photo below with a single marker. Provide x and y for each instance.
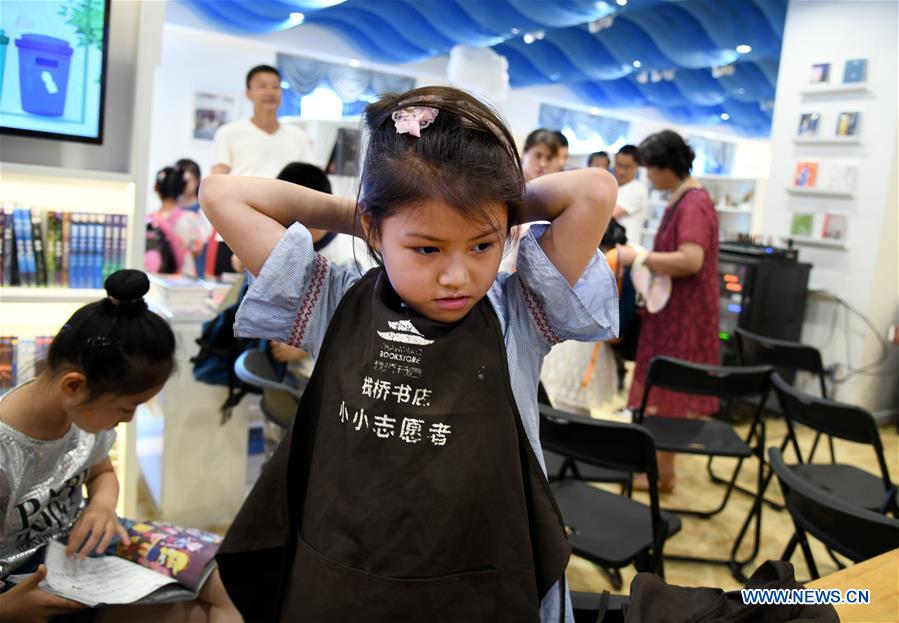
(413, 119)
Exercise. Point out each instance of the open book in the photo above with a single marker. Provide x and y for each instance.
(161, 563)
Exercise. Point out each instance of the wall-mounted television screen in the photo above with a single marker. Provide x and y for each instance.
(53, 68)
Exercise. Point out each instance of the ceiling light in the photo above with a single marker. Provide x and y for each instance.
(637, 64)
(724, 116)
(354, 62)
(594, 111)
(539, 35)
(285, 84)
(515, 31)
(297, 17)
(744, 48)
(529, 38)
(621, 2)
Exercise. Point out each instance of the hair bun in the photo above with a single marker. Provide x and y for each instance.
(125, 286)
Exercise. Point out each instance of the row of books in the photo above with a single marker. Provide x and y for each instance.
(22, 359)
(68, 249)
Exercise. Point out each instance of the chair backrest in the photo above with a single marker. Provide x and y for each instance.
(831, 418)
(754, 349)
(854, 532)
(279, 399)
(695, 378)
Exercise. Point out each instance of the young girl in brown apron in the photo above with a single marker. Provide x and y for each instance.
(411, 486)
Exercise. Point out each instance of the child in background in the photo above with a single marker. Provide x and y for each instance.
(183, 231)
(55, 436)
(411, 486)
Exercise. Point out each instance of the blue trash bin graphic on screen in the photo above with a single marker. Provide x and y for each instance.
(43, 74)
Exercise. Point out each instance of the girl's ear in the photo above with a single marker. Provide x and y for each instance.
(73, 387)
(369, 229)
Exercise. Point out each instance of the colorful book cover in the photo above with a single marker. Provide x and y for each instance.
(847, 124)
(23, 266)
(835, 226)
(40, 261)
(66, 264)
(7, 362)
(50, 250)
(57, 232)
(855, 71)
(802, 225)
(183, 554)
(806, 174)
(29, 247)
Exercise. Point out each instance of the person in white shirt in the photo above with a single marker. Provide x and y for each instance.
(260, 146)
(633, 198)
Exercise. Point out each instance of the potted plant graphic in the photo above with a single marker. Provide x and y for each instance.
(87, 18)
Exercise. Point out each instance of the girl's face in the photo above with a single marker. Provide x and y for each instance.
(438, 261)
(537, 161)
(106, 410)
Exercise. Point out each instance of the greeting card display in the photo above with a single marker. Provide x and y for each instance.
(847, 124)
(806, 174)
(855, 71)
(802, 225)
(808, 124)
(834, 227)
(820, 73)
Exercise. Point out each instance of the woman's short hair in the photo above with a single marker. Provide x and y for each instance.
(667, 150)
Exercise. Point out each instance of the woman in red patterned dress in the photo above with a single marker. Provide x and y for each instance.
(686, 249)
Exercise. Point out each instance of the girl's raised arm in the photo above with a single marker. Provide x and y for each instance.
(251, 213)
(579, 205)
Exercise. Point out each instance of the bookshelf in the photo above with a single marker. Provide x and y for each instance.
(33, 311)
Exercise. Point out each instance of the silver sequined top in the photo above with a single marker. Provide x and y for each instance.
(41, 487)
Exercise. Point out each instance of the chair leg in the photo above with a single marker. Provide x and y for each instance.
(791, 547)
(807, 552)
(613, 576)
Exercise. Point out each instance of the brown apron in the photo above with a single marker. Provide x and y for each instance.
(407, 489)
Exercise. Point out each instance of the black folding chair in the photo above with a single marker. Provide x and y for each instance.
(559, 467)
(786, 358)
(713, 438)
(280, 400)
(609, 530)
(854, 532)
(847, 482)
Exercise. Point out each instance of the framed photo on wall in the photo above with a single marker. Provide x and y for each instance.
(211, 111)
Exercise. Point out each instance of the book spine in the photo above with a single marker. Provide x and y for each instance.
(40, 263)
(66, 264)
(7, 378)
(2, 246)
(109, 239)
(41, 352)
(21, 259)
(121, 242)
(50, 249)
(96, 271)
(29, 247)
(57, 232)
(9, 246)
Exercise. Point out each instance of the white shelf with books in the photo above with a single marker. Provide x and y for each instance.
(61, 232)
(737, 202)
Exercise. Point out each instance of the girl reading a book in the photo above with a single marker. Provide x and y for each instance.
(55, 436)
(411, 484)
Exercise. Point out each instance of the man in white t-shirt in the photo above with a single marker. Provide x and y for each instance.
(633, 198)
(260, 146)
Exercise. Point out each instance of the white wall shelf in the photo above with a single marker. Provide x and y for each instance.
(818, 192)
(827, 140)
(732, 210)
(815, 242)
(50, 294)
(826, 89)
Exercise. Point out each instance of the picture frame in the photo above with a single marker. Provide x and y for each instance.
(834, 227)
(847, 123)
(808, 124)
(855, 71)
(819, 74)
(211, 111)
(802, 224)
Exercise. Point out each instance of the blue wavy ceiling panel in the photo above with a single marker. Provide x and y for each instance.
(679, 56)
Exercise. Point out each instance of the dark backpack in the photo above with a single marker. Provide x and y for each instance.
(219, 350)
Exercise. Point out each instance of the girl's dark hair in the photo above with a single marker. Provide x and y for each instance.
(305, 174)
(188, 165)
(466, 158)
(667, 150)
(170, 182)
(120, 346)
(543, 136)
